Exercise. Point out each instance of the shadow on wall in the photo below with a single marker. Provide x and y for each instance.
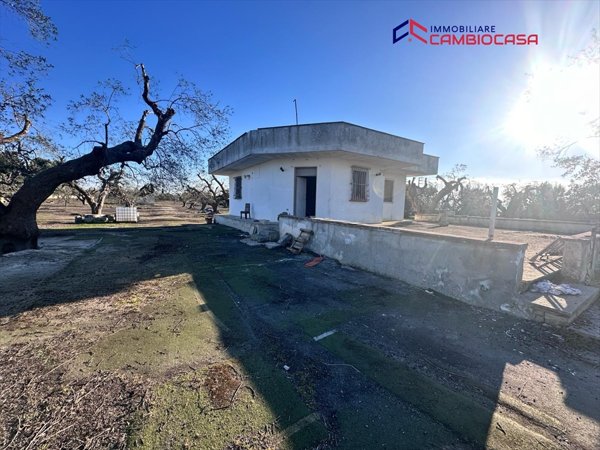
(477, 272)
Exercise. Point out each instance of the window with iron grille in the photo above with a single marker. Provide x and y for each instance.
(388, 191)
(237, 191)
(360, 179)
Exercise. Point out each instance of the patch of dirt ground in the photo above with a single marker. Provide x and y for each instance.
(44, 407)
(21, 269)
(57, 215)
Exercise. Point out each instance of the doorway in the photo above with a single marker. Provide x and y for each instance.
(305, 192)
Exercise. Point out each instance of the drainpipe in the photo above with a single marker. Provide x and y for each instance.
(493, 214)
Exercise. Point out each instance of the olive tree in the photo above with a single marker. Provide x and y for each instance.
(169, 135)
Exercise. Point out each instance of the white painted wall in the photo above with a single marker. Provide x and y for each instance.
(340, 206)
(395, 209)
(270, 191)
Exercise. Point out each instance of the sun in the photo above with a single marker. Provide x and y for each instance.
(559, 105)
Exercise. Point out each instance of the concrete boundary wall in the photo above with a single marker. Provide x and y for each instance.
(474, 271)
(507, 223)
(581, 259)
(245, 225)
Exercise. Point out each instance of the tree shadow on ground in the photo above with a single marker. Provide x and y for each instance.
(404, 368)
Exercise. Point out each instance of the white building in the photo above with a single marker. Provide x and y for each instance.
(331, 170)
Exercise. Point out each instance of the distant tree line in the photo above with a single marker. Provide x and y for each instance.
(578, 200)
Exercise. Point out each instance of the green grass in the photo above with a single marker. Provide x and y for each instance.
(253, 284)
(181, 415)
(173, 332)
(357, 303)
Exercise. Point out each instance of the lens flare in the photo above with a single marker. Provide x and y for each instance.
(558, 106)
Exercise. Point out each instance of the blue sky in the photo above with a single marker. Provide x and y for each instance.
(338, 61)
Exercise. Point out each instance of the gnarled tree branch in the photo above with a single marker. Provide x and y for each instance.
(140, 128)
(18, 135)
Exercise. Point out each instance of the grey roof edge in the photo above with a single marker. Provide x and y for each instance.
(231, 143)
(338, 122)
(248, 139)
(312, 124)
(429, 165)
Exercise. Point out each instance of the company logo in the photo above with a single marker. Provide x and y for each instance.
(459, 35)
(412, 24)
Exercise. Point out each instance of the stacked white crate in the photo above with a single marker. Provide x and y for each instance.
(126, 214)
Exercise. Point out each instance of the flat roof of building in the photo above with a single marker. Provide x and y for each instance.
(340, 139)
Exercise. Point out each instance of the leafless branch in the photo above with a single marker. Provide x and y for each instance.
(18, 135)
(140, 128)
(146, 93)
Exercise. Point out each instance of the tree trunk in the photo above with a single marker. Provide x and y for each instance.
(92, 204)
(449, 187)
(100, 202)
(412, 195)
(18, 227)
(215, 205)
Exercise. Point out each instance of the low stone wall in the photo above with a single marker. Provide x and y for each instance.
(474, 271)
(581, 259)
(249, 226)
(427, 217)
(506, 223)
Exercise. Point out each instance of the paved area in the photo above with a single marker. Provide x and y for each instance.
(515, 379)
(588, 324)
(391, 366)
(30, 266)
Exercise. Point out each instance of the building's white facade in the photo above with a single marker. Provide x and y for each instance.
(308, 170)
(271, 191)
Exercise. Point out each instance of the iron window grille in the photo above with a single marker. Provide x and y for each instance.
(237, 191)
(360, 184)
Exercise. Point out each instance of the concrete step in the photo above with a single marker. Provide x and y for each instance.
(559, 309)
(588, 323)
(532, 276)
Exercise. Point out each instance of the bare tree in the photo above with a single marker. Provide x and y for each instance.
(190, 196)
(418, 197)
(129, 192)
(583, 170)
(22, 100)
(430, 198)
(19, 161)
(95, 195)
(218, 194)
(440, 199)
(163, 147)
(212, 192)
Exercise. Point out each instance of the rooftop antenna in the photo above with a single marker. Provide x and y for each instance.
(296, 108)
